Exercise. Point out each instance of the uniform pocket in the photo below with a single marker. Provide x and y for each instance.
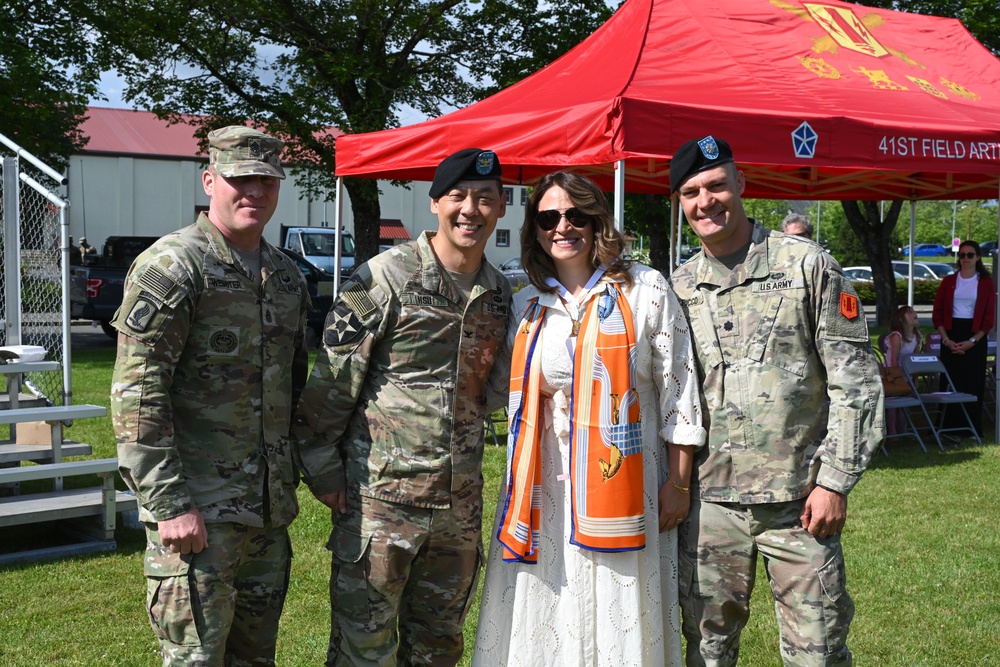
(349, 577)
(838, 607)
(470, 595)
(172, 602)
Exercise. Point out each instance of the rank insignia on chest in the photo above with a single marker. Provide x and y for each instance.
(849, 305)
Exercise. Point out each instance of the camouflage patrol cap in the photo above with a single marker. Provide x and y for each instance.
(468, 164)
(696, 156)
(241, 151)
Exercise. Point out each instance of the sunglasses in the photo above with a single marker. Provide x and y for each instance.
(966, 255)
(547, 220)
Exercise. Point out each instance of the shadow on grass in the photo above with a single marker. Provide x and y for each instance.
(14, 539)
(906, 454)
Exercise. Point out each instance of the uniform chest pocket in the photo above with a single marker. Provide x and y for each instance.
(781, 338)
(704, 337)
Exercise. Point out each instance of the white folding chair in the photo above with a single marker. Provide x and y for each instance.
(921, 365)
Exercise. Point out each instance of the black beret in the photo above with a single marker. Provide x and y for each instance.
(469, 164)
(696, 156)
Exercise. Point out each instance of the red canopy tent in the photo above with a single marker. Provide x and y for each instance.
(819, 100)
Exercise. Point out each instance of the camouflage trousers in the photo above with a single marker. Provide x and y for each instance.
(401, 583)
(219, 606)
(718, 546)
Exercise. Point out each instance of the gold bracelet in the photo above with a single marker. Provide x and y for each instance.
(682, 489)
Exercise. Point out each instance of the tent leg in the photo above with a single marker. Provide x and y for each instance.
(338, 223)
(913, 235)
(620, 196)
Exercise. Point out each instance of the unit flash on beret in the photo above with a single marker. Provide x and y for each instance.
(709, 148)
(484, 162)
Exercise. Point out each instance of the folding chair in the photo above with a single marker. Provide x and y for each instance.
(918, 365)
(491, 428)
(903, 403)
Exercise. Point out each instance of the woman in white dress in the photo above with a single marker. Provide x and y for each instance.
(604, 419)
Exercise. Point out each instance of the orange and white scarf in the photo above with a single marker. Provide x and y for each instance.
(605, 460)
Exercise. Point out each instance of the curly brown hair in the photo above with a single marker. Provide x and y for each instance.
(609, 244)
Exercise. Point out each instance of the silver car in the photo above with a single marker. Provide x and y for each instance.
(923, 270)
(515, 274)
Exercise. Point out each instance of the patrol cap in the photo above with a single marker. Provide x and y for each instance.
(468, 164)
(696, 156)
(242, 151)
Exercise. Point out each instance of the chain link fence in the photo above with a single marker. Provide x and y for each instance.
(32, 239)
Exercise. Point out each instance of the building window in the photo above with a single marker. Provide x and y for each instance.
(503, 238)
(509, 194)
(524, 196)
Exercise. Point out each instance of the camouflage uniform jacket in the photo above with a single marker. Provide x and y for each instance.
(398, 394)
(791, 390)
(209, 365)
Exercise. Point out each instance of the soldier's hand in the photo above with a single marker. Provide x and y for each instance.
(824, 513)
(185, 533)
(674, 506)
(335, 501)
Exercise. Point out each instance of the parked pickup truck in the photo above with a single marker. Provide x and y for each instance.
(318, 246)
(97, 287)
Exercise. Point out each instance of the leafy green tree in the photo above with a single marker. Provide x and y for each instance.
(875, 225)
(980, 16)
(298, 67)
(47, 76)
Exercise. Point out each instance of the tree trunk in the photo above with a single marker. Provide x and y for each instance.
(367, 217)
(658, 229)
(875, 235)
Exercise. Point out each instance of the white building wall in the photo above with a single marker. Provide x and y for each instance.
(134, 196)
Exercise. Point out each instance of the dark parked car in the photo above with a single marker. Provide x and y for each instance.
(988, 248)
(320, 286)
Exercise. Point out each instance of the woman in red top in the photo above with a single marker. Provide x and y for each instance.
(964, 312)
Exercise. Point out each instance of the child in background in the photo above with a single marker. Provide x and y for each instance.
(904, 337)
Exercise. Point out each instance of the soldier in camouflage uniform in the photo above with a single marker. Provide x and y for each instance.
(412, 363)
(794, 409)
(211, 357)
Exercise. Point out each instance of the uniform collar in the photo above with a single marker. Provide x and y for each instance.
(434, 277)
(756, 266)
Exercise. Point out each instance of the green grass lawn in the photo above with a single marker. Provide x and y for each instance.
(922, 543)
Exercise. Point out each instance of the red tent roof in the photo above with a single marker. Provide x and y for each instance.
(818, 100)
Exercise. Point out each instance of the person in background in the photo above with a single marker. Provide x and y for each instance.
(604, 417)
(964, 313)
(903, 338)
(86, 248)
(211, 358)
(412, 364)
(797, 225)
(75, 255)
(793, 404)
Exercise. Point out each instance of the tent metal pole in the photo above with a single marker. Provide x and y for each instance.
(913, 233)
(620, 196)
(996, 414)
(338, 225)
(675, 204)
(674, 236)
